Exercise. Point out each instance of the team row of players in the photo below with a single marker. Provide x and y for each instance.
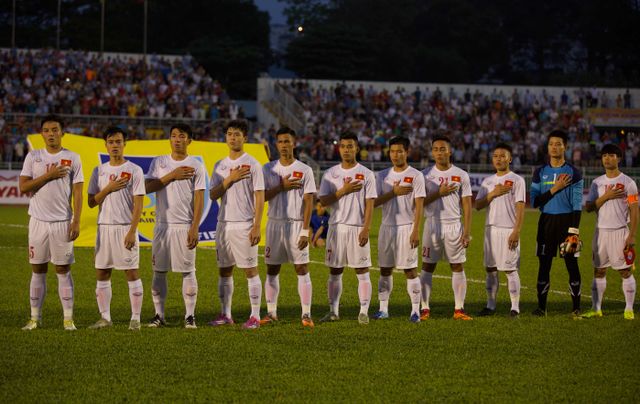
(442, 193)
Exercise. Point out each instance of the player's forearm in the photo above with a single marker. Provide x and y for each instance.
(198, 205)
(482, 203)
(633, 218)
(318, 233)
(590, 206)
(467, 212)
(417, 217)
(434, 196)
(384, 198)
(97, 199)
(259, 203)
(575, 219)
(328, 200)
(368, 213)
(156, 184)
(77, 201)
(34, 184)
(519, 216)
(307, 209)
(137, 212)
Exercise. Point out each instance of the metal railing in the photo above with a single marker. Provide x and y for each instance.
(288, 109)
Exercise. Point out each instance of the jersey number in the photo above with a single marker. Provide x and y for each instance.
(32, 251)
(329, 251)
(267, 252)
(426, 252)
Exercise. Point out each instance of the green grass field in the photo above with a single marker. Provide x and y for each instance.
(489, 359)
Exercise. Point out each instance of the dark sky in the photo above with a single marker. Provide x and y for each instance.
(275, 8)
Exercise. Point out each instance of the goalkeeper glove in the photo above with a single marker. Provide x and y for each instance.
(572, 244)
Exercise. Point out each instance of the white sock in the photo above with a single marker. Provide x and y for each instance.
(334, 290)
(271, 292)
(37, 292)
(189, 293)
(135, 297)
(459, 285)
(65, 291)
(492, 289)
(364, 292)
(426, 280)
(255, 295)
(159, 292)
(598, 286)
(414, 289)
(385, 286)
(304, 290)
(103, 296)
(629, 289)
(513, 283)
(225, 292)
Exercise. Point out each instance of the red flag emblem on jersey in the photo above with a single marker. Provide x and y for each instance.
(297, 174)
(360, 176)
(65, 163)
(245, 166)
(408, 180)
(125, 175)
(508, 183)
(455, 178)
(620, 186)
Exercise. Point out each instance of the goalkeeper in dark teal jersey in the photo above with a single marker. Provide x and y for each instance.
(556, 190)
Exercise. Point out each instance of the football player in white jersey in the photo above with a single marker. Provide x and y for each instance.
(401, 193)
(349, 189)
(614, 197)
(179, 181)
(290, 189)
(54, 178)
(117, 188)
(445, 237)
(504, 195)
(238, 182)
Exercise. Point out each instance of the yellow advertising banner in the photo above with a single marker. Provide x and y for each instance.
(92, 151)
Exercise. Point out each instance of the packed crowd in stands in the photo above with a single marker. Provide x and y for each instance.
(474, 121)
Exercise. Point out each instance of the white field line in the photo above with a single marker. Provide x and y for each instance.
(22, 226)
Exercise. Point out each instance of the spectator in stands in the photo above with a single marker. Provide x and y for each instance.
(319, 225)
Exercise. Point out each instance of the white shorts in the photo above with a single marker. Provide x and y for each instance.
(169, 248)
(110, 249)
(496, 249)
(608, 246)
(394, 247)
(233, 246)
(442, 241)
(49, 241)
(343, 248)
(281, 245)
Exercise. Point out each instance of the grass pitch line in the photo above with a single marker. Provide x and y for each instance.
(21, 226)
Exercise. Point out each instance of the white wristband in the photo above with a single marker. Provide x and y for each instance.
(304, 233)
(573, 230)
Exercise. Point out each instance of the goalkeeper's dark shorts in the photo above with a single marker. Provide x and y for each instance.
(552, 231)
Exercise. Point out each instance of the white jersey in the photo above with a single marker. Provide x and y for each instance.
(174, 202)
(501, 212)
(400, 210)
(350, 208)
(238, 203)
(448, 208)
(288, 205)
(614, 213)
(117, 207)
(52, 202)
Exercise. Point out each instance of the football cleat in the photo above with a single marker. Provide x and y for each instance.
(576, 314)
(68, 325)
(33, 324)
(363, 318)
(425, 314)
(539, 312)
(134, 325)
(269, 319)
(307, 321)
(251, 324)
(221, 320)
(628, 315)
(514, 314)
(486, 312)
(156, 322)
(380, 315)
(330, 317)
(102, 323)
(415, 318)
(461, 315)
(190, 322)
(592, 314)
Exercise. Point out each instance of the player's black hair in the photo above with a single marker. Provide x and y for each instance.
(285, 130)
(611, 148)
(559, 133)
(182, 127)
(441, 137)
(52, 118)
(113, 130)
(504, 146)
(239, 124)
(349, 136)
(400, 140)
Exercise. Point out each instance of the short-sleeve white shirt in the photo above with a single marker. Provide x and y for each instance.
(288, 205)
(447, 208)
(614, 213)
(350, 208)
(117, 207)
(501, 212)
(400, 210)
